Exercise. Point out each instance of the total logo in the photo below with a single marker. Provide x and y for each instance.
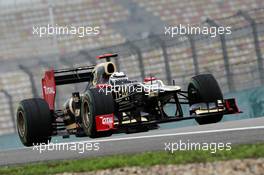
(49, 90)
(107, 120)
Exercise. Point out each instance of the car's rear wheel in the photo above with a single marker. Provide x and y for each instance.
(34, 122)
(204, 88)
(95, 103)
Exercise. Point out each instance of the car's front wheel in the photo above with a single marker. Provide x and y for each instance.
(204, 88)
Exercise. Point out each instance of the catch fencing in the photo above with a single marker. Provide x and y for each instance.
(236, 60)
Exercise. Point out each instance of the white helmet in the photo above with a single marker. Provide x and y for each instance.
(118, 77)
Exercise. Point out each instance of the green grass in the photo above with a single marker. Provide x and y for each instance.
(143, 159)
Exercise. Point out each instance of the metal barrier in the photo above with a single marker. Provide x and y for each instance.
(236, 60)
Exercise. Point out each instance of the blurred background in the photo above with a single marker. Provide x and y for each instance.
(135, 30)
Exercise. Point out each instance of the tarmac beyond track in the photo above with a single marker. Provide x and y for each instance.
(234, 132)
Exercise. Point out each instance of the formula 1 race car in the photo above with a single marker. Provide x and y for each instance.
(112, 103)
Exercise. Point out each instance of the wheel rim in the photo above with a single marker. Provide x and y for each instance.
(21, 124)
(86, 115)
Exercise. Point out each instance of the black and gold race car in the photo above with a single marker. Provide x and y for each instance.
(113, 103)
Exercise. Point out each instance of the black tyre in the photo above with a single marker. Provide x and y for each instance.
(34, 122)
(95, 103)
(204, 88)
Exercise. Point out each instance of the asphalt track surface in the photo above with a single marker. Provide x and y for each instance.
(234, 132)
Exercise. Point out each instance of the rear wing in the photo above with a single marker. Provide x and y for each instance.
(53, 78)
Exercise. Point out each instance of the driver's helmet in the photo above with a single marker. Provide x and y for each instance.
(118, 78)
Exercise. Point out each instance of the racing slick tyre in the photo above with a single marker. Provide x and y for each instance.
(95, 103)
(34, 122)
(204, 88)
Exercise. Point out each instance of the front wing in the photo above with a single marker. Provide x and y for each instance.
(229, 107)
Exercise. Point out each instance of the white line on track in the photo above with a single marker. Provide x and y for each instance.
(172, 134)
(157, 135)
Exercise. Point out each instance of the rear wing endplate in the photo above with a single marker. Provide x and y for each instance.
(53, 78)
